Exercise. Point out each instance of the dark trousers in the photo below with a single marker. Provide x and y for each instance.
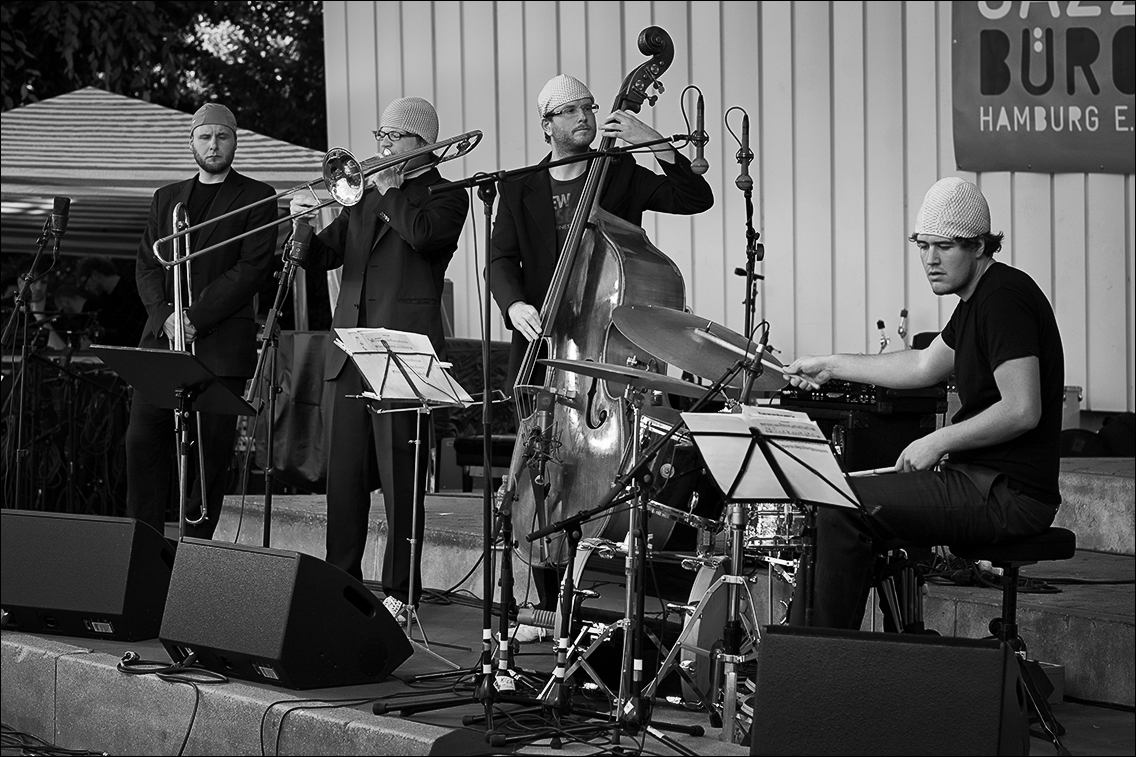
(151, 463)
(925, 508)
(348, 493)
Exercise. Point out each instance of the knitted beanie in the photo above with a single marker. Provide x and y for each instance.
(414, 115)
(953, 208)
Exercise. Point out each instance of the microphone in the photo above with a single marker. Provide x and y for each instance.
(58, 225)
(903, 326)
(528, 616)
(760, 356)
(700, 138)
(301, 241)
(59, 216)
(745, 155)
(541, 434)
(884, 341)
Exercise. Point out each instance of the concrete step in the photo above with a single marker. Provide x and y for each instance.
(1099, 502)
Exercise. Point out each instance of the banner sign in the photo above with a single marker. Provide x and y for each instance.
(1046, 87)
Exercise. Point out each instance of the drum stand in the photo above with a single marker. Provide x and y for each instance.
(731, 655)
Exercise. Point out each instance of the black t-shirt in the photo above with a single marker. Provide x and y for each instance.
(1008, 317)
(565, 198)
(201, 198)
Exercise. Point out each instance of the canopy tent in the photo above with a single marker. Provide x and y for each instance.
(108, 153)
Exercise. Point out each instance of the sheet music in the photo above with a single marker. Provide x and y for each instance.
(429, 381)
(794, 442)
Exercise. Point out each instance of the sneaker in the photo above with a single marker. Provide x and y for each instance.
(395, 607)
(524, 634)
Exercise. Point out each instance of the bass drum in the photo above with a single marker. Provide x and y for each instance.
(684, 499)
(704, 632)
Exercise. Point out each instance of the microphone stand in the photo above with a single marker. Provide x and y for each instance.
(21, 314)
(269, 345)
(754, 251)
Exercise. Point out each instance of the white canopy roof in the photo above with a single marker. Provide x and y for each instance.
(108, 153)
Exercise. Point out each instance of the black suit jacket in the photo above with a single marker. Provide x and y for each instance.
(394, 249)
(224, 281)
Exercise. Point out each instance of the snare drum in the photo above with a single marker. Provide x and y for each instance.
(682, 492)
(773, 526)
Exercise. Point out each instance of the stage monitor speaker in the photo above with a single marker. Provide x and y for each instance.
(84, 575)
(278, 617)
(823, 692)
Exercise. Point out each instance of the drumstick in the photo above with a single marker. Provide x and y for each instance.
(710, 337)
(872, 472)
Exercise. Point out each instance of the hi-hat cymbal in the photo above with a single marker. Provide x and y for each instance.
(623, 375)
(694, 344)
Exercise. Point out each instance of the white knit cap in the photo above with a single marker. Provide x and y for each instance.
(559, 90)
(413, 115)
(953, 208)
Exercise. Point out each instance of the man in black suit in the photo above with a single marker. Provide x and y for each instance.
(393, 247)
(218, 317)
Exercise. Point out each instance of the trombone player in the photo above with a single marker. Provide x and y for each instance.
(219, 322)
(393, 246)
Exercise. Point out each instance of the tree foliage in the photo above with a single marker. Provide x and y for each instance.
(262, 59)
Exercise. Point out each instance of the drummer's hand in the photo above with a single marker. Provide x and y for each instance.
(807, 372)
(525, 319)
(922, 454)
(625, 125)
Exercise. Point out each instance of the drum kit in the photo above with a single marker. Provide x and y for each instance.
(670, 488)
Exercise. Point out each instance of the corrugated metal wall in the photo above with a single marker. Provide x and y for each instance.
(850, 109)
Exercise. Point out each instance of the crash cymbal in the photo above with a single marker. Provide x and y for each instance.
(694, 344)
(623, 375)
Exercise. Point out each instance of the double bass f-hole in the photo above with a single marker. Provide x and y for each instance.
(591, 417)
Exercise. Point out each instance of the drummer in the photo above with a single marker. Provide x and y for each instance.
(1003, 444)
(536, 211)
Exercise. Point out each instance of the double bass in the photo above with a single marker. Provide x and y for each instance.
(573, 432)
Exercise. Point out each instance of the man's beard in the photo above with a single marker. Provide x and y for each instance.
(573, 143)
(216, 168)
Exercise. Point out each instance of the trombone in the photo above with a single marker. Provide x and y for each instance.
(183, 290)
(344, 177)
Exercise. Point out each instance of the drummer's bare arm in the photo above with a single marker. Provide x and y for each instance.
(1017, 410)
(904, 369)
(525, 319)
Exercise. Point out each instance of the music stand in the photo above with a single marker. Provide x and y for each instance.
(761, 455)
(175, 380)
(402, 367)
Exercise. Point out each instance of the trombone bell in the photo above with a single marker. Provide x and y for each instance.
(343, 176)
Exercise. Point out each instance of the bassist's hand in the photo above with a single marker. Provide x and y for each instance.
(525, 319)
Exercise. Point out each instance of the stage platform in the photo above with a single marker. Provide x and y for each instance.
(69, 692)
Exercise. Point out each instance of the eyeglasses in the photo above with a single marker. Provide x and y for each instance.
(390, 134)
(571, 111)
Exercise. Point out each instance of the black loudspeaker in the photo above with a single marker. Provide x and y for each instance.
(278, 617)
(81, 575)
(821, 691)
